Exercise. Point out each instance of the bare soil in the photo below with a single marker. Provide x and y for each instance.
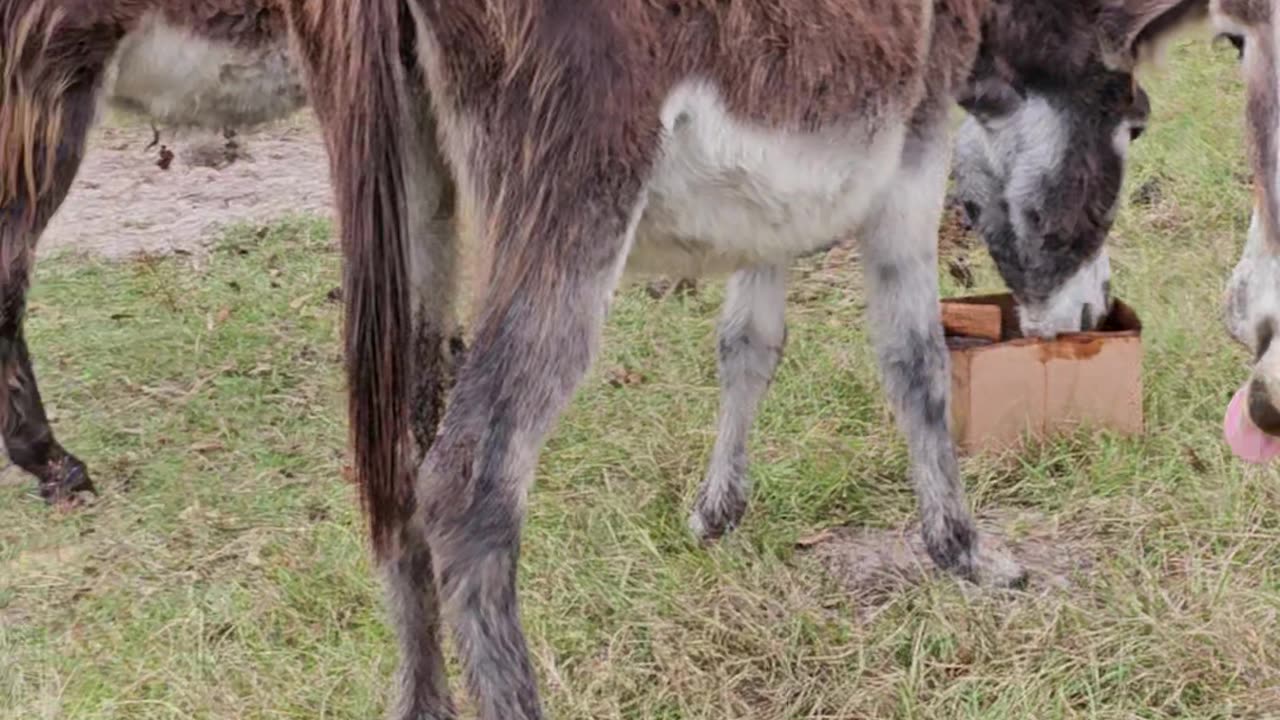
(123, 203)
(875, 565)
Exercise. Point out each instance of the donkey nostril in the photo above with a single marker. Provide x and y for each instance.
(1086, 317)
(1262, 412)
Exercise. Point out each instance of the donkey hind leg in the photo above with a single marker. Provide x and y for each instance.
(900, 249)
(752, 333)
(535, 339)
(422, 687)
(28, 438)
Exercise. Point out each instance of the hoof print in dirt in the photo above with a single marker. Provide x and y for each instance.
(876, 565)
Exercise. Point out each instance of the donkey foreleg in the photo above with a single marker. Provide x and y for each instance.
(900, 262)
(752, 334)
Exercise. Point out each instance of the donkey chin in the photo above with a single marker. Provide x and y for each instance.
(184, 80)
(1252, 317)
(1080, 304)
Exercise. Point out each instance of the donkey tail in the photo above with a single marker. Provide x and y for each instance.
(360, 54)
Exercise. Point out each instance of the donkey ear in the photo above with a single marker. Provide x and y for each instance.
(1134, 31)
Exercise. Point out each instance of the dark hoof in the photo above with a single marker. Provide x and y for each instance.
(65, 482)
(711, 521)
(960, 552)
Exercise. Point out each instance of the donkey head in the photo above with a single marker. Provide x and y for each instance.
(1039, 164)
(1253, 293)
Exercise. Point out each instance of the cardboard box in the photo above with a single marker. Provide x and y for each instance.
(1005, 391)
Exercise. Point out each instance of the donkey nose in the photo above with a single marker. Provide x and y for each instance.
(1262, 411)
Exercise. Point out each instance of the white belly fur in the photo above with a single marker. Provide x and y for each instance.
(725, 195)
(181, 79)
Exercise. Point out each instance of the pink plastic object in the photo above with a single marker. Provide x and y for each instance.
(1243, 437)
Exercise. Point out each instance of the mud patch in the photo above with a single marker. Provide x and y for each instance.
(123, 204)
(876, 565)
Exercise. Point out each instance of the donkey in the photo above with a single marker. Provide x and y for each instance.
(593, 138)
(682, 137)
(990, 183)
(1253, 292)
(211, 64)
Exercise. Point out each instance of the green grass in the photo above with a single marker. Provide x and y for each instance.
(222, 574)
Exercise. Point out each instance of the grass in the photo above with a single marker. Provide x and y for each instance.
(222, 574)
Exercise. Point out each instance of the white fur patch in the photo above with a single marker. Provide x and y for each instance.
(1253, 293)
(1062, 312)
(178, 78)
(1036, 149)
(1123, 137)
(1221, 22)
(725, 194)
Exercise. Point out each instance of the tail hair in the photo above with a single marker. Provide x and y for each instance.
(358, 52)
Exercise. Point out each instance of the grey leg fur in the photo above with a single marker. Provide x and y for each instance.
(753, 332)
(422, 688)
(534, 341)
(900, 261)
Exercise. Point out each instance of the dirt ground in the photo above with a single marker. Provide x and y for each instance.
(123, 203)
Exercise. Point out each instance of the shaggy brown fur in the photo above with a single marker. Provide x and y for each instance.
(547, 117)
(53, 60)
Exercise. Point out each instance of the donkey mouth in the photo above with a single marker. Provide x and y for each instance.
(1262, 411)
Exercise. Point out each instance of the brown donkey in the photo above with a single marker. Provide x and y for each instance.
(209, 63)
(595, 136)
(680, 136)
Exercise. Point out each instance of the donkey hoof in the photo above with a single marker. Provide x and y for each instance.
(65, 482)
(711, 521)
(983, 559)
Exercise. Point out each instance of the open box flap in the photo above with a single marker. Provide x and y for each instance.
(1122, 320)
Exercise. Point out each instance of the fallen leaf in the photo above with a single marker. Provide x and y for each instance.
(961, 272)
(817, 538)
(622, 377)
(1193, 459)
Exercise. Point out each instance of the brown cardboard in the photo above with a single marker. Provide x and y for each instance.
(1002, 392)
(972, 320)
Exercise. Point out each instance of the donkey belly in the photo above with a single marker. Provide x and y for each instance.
(180, 78)
(725, 195)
